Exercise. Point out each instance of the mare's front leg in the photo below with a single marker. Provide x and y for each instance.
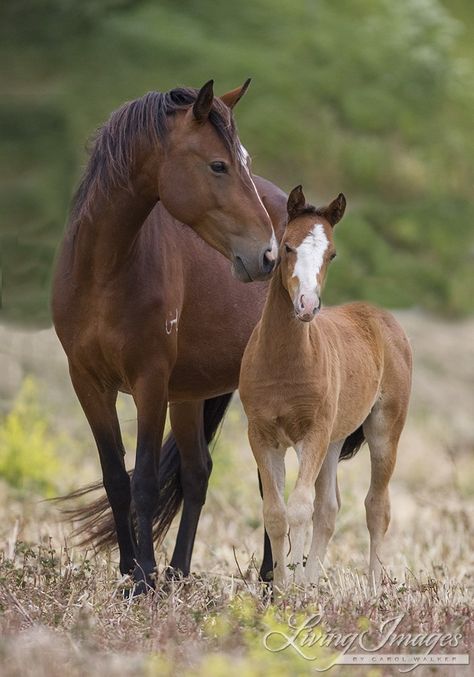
(187, 424)
(311, 452)
(266, 568)
(99, 407)
(150, 395)
(271, 468)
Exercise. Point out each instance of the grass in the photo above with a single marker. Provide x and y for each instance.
(62, 609)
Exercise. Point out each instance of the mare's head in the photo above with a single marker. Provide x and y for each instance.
(204, 180)
(306, 250)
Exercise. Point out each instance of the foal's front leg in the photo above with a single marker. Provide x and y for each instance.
(311, 452)
(271, 466)
(326, 507)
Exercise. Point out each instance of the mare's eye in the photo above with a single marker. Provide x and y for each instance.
(218, 167)
(333, 256)
(288, 249)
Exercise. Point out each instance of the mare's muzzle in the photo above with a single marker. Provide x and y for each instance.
(251, 268)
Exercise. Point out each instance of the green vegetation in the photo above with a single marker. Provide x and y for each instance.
(30, 453)
(372, 98)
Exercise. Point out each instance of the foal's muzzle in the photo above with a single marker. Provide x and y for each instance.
(307, 307)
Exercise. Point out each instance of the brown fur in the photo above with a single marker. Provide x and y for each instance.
(138, 297)
(313, 384)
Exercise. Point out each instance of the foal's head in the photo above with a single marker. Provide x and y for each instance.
(306, 250)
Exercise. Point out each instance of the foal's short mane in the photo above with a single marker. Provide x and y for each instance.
(308, 209)
(113, 149)
(295, 212)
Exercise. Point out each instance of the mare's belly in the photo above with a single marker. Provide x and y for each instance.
(212, 338)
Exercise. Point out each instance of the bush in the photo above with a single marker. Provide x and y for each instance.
(29, 454)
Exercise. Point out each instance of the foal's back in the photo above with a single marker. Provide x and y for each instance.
(370, 357)
(356, 354)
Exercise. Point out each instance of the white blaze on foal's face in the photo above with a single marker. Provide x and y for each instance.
(310, 257)
(307, 248)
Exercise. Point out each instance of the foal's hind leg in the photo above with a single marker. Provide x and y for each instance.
(196, 465)
(326, 507)
(382, 433)
(99, 408)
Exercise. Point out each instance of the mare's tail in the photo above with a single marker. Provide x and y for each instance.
(95, 522)
(352, 444)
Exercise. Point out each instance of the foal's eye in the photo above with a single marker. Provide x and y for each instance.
(333, 256)
(218, 167)
(288, 249)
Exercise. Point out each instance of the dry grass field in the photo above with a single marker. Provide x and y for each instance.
(62, 609)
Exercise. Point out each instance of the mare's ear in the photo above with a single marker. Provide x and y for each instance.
(204, 100)
(335, 211)
(296, 202)
(233, 97)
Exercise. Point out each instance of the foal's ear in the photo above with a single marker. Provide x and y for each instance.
(233, 97)
(335, 211)
(296, 202)
(204, 100)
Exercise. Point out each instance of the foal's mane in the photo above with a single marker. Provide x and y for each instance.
(301, 211)
(308, 209)
(113, 148)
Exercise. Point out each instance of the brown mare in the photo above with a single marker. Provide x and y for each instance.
(141, 305)
(320, 387)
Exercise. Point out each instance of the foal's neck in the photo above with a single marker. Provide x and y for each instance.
(279, 326)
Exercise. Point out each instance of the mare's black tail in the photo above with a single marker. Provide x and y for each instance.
(352, 444)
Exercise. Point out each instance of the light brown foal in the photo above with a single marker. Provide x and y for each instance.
(312, 384)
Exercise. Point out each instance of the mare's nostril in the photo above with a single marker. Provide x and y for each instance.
(268, 261)
(269, 255)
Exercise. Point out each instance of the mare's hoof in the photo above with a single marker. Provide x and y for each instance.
(266, 579)
(265, 576)
(172, 574)
(143, 583)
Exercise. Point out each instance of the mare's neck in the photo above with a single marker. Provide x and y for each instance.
(104, 233)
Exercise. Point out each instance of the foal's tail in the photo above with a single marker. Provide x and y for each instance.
(352, 444)
(95, 522)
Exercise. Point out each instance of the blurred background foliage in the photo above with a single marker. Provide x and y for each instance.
(34, 457)
(371, 97)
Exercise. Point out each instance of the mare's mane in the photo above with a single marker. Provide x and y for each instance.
(113, 148)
